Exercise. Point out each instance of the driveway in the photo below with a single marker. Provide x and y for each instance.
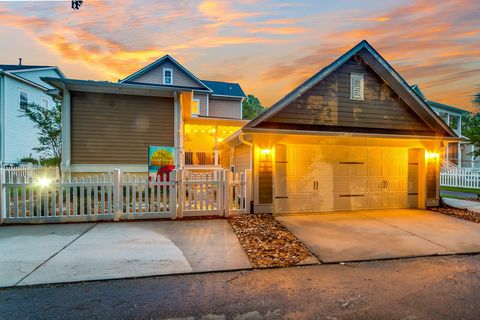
(383, 234)
(39, 254)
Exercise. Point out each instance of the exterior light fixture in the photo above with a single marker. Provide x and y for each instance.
(432, 156)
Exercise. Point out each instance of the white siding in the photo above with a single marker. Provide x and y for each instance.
(20, 135)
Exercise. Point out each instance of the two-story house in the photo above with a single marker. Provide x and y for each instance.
(21, 85)
(111, 125)
(456, 153)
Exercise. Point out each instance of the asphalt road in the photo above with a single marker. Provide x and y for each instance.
(423, 288)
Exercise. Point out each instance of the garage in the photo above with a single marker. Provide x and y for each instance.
(312, 178)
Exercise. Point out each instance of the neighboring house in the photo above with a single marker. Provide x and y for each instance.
(19, 86)
(456, 153)
(110, 125)
(353, 136)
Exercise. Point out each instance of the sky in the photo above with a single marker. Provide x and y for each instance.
(267, 46)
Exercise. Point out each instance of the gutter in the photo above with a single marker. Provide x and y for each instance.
(243, 141)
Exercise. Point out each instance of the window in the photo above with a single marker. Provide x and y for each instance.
(44, 103)
(167, 76)
(23, 99)
(356, 86)
(195, 107)
(454, 120)
(443, 116)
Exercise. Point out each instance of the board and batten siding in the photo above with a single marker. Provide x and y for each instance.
(117, 129)
(225, 108)
(155, 76)
(328, 103)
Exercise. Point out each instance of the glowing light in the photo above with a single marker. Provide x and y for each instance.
(43, 182)
(431, 155)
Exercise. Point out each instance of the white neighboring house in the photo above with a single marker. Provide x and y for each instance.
(20, 85)
(457, 154)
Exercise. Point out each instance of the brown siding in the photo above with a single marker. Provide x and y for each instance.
(265, 181)
(223, 108)
(242, 158)
(156, 76)
(328, 103)
(117, 129)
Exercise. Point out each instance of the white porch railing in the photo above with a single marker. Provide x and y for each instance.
(458, 177)
(117, 196)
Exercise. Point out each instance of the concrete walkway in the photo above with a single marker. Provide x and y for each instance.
(383, 234)
(40, 254)
(463, 204)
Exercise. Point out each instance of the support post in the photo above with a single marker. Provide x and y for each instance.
(117, 194)
(227, 192)
(180, 202)
(3, 210)
(173, 183)
(248, 189)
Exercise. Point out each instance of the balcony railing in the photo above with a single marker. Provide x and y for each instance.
(201, 158)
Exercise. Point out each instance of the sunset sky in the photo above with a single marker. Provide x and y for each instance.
(269, 47)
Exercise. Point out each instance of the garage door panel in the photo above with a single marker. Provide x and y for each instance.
(349, 178)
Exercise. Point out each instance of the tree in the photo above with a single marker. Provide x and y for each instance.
(476, 100)
(49, 123)
(471, 126)
(252, 107)
(76, 4)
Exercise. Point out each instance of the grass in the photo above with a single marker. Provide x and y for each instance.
(460, 189)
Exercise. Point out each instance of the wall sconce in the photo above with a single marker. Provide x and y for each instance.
(431, 156)
(265, 154)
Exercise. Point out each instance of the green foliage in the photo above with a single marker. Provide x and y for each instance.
(471, 130)
(48, 121)
(252, 107)
(476, 100)
(29, 160)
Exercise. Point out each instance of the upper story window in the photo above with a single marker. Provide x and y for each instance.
(167, 76)
(44, 102)
(195, 107)
(23, 99)
(356, 86)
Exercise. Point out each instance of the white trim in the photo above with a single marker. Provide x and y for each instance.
(24, 80)
(20, 91)
(2, 121)
(197, 100)
(108, 167)
(171, 75)
(227, 96)
(39, 69)
(357, 77)
(66, 131)
(44, 98)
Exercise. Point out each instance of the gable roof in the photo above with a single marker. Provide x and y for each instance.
(158, 62)
(229, 89)
(377, 63)
(16, 67)
(435, 104)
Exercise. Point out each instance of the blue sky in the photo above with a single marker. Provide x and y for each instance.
(269, 47)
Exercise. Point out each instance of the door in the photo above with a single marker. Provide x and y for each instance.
(328, 178)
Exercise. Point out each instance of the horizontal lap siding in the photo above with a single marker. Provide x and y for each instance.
(329, 103)
(117, 129)
(224, 108)
(155, 76)
(242, 158)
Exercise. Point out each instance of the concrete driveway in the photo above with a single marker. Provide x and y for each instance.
(383, 234)
(39, 254)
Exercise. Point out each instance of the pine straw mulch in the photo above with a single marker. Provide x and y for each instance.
(458, 213)
(268, 243)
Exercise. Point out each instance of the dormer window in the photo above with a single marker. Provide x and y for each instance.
(167, 76)
(356, 86)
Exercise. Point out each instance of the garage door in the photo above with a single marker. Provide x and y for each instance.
(328, 178)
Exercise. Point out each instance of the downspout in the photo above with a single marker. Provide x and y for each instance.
(252, 191)
(242, 140)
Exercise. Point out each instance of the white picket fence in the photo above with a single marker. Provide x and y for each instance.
(458, 177)
(117, 196)
(32, 172)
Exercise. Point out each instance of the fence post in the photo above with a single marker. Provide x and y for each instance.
(173, 183)
(248, 189)
(180, 193)
(226, 193)
(117, 194)
(3, 210)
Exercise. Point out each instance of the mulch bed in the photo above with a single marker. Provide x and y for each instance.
(458, 213)
(268, 243)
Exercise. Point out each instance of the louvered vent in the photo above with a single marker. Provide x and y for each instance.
(356, 86)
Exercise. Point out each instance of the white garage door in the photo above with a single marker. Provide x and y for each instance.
(327, 178)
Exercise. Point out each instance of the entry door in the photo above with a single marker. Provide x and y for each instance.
(325, 178)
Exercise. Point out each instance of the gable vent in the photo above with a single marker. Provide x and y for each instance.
(356, 86)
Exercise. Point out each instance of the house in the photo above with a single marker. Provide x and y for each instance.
(20, 85)
(353, 136)
(111, 125)
(457, 154)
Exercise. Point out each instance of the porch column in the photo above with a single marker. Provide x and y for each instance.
(66, 131)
